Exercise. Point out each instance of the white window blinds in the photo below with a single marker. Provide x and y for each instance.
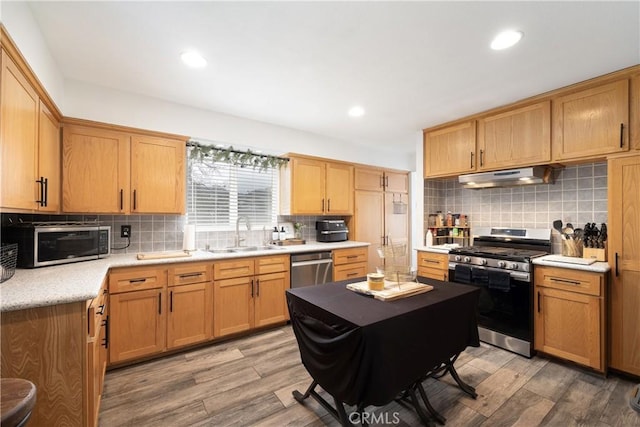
(219, 192)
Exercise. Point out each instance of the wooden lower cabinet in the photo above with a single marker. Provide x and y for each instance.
(190, 311)
(350, 263)
(569, 313)
(137, 324)
(249, 300)
(624, 258)
(190, 318)
(52, 347)
(433, 265)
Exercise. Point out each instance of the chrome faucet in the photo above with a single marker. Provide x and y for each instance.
(247, 223)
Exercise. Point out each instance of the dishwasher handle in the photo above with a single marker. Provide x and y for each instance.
(314, 262)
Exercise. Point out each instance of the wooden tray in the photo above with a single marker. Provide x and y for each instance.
(391, 291)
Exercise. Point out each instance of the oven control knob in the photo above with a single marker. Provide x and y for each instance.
(467, 259)
(502, 264)
(483, 261)
(513, 266)
(458, 258)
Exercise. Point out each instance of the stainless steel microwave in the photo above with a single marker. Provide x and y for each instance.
(45, 243)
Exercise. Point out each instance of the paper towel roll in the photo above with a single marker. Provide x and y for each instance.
(189, 239)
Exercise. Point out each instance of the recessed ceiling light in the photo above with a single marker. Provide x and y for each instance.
(193, 59)
(506, 39)
(356, 111)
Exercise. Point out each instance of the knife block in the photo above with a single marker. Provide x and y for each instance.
(599, 254)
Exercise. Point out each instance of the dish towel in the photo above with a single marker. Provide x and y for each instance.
(500, 281)
(463, 274)
(479, 276)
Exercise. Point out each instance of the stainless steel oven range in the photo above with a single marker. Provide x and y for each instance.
(499, 263)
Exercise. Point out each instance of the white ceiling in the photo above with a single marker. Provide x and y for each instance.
(302, 65)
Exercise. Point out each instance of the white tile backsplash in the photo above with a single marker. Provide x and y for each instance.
(579, 195)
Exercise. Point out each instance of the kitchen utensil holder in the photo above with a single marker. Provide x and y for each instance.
(572, 248)
(599, 254)
(8, 259)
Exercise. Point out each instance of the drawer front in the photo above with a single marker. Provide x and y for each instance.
(188, 273)
(583, 282)
(348, 256)
(433, 273)
(136, 279)
(349, 271)
(272, 264)
(433, 261)
(233, 268)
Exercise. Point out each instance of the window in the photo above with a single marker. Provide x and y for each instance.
(219, 192)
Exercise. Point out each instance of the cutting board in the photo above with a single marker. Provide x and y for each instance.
(569, 259)
(391, 291)
(160, 255)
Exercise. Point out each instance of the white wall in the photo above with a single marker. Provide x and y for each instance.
(23, 29)
(103, 104)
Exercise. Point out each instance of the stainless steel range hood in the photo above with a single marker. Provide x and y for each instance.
(508, 178)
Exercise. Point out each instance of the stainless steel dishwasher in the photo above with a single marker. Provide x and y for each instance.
(311, 269)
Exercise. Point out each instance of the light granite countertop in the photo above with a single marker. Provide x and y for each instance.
(81, 281)
(569, 262)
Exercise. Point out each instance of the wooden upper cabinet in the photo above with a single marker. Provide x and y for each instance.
(373, 179)
(316, 187)
(450, 150)
(157, 175)
(515, 138)
(339, 189)
(396, 182)
(369, 179)
(634, 113)
(49, 159)
(307, 186)
(110, 171)
(19, 138)
(95, 170)
(591, 123)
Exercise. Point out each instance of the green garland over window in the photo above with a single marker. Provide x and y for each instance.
(235, 157)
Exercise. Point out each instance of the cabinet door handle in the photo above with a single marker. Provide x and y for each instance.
(171, 302)
(121, 199)
(538, 301)
(352, 274)
(105, 341)
(101, 310)
(187, 275)
(431, 261)
(328, 205)
(322, 205)
(382, 181)
(160, 303)
(471, 165)
(386, 182)
(258, 287)
(134, 199)
(481, 157)
(617, 273)
(134, 281)
(41, 182)
(621, 135)
(251, 288)
(567, 281)
(46, 191)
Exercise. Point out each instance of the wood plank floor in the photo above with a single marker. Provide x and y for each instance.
(248, 382)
